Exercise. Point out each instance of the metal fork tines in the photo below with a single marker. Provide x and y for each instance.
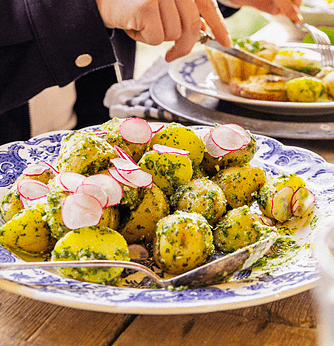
(323, 42)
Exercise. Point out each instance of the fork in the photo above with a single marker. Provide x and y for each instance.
(323, 42)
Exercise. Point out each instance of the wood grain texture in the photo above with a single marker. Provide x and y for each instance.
(24, 321)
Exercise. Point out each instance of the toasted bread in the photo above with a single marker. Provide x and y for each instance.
(262, 87)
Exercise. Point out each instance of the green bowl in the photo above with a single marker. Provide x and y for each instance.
(328, 30)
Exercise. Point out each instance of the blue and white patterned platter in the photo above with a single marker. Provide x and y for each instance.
(296, 276)
(195, 72)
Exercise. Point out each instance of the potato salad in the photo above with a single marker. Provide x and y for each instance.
(182, 196)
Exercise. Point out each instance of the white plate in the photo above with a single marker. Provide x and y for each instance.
(196, 73)
(294, 277)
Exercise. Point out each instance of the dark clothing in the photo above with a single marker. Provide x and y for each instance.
(39, 43)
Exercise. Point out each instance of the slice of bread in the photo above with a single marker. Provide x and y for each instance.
(262, 87)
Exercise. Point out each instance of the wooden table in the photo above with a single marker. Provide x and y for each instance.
(291, 321)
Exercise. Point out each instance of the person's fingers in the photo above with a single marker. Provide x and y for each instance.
(290, 9)
(210, 12)
(191, 24)
(171, 19)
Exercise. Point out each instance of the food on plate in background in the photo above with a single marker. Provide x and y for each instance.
(228, 67)
(187, 183)
(305, 89)
(263, 87)
(303, 60)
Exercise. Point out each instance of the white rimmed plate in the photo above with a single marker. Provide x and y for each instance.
(196, 73)
(296, 276)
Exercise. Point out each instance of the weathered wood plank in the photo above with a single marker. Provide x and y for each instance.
(290, 322)
(25, 321)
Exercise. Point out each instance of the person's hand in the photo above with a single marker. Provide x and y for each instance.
(289, 8)
(156, 21)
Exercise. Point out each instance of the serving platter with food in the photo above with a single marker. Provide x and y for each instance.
(180, 194)
(248, 86)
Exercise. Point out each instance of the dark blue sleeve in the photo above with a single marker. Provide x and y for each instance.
(40, 41)
(227, 11)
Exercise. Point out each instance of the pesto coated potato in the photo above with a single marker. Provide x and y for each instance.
(304, 89)
(113, 137)
(28, 231)
(238, 183)
(140, 224)
(91, 243)
(168, 170)
(84, 152)
(201, 196)
(181, 137)
(183, 241)
(240, 157)
(238, 228)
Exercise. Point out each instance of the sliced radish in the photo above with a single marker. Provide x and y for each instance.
(227, 138)
(32, 189)
(35, 170)
(201, 133)
(302, 200)
(123, 154)
(50, 165)
(169, 150)
(246, 136)
(124, 164)
(81, 210)
(136, 131)
(95, 191)
(281, 207)
(212, 148)
(138, 177)
(156, 127)
(26, 203)
(111, 187)
(113, 172)
(69, 181)
(100, 133)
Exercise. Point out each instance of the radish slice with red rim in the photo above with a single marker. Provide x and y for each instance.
(302, 200)
(136, 131)
(35, 170)
(94, 191)
(113, 172)
(69, 181)
(281, 207)
(123, 154)
(156, 127)
(81, 210)
(100, 133)
(226, 138)
(202, 133)
(32, 189)
(212, 148)
(163, 149)
(26, 203)
(50, 165)
(111, 187)
(124, 165)
(139, 178)
(246, 136)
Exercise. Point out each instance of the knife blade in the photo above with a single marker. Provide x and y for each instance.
(251, 58)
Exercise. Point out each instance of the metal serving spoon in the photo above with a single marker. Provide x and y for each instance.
(210, 273)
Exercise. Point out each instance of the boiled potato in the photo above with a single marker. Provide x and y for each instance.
(181, 137)
(183, 241)
(328, 82)
(28, 231)
(238, 183)
(201, 196)
(304, 89)
(168, 170)
(91, 243)
(110, 216)
(84, 152)
(278, 208)
(140, 224)
(113, 137)
(212, 165)
(11, 203)
(239, 227)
